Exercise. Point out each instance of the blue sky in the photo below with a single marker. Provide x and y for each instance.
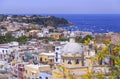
(60, 6)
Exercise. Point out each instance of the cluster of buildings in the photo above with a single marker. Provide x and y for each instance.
(41, 59)
(18, 30)
(38, 59)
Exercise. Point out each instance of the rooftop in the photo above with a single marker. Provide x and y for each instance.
(36, 66)
(4, 45)
(48, 54)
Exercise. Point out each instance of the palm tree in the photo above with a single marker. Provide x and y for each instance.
(102, 54)
(115, 68)
(93, 75)
(108, 43)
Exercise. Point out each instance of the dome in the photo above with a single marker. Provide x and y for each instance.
(72, 48)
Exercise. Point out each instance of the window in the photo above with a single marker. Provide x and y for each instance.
(46, 77)
(63, 60)
(35, 58)
(45, 59)
(40, 77)
(56, 59)
(88, 52)
(69, 61)
(56, 55)
(20, 69)
(3, 51)
(77, 61)
(50, 60)
(57, 48)
(32, 73)
(26, 71)
(40, 59)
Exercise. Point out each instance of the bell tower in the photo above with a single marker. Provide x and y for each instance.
(72, 37)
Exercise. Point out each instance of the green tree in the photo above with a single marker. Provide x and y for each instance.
(3, 39)
(9, 36)
(22, 39)
(86, 39)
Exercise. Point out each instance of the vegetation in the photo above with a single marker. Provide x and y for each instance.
(113, 53)
(52, 39)
(41, 20)
(93, 75)
(102, 38)
(9, 38)
(85, 40)
(46, 38)
(115, 67)
(22, 39)
(3, 18)
(102, 54)
(63, 39)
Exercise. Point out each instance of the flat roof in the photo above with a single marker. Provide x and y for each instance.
(36, 66)
(3, 62)
(4, 45)
(48, 54)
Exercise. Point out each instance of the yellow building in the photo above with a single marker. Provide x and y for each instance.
(73, 61)
(32, 33)
(11, 28)
(56, 35)
(32, 71)
(47, 58)
(76, 61)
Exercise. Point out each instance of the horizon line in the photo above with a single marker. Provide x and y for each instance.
(59, 13)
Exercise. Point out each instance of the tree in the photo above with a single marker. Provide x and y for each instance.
(22, 39)
(93, 75)
(3, 39)
(115, 68)
(3, 17)
(102, 54)
(9, 36)
(86, 39)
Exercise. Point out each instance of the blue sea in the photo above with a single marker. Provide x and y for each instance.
(96, 23)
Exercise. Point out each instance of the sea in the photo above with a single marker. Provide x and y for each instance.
(95, 23)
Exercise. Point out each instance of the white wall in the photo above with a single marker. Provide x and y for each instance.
(44, 75)
(58, 50)
(4, 50)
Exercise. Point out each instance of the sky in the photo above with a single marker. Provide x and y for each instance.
(59, 6)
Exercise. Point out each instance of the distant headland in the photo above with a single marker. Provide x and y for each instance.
(36, 19)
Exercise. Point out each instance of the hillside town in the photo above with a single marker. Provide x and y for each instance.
(42, 51)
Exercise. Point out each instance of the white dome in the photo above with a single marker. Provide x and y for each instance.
(72, 48)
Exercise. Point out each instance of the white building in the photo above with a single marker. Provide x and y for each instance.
(4, 51)
(18, 34)
(44, 75)
(57, 57)
(40, 35)
(7, 49)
